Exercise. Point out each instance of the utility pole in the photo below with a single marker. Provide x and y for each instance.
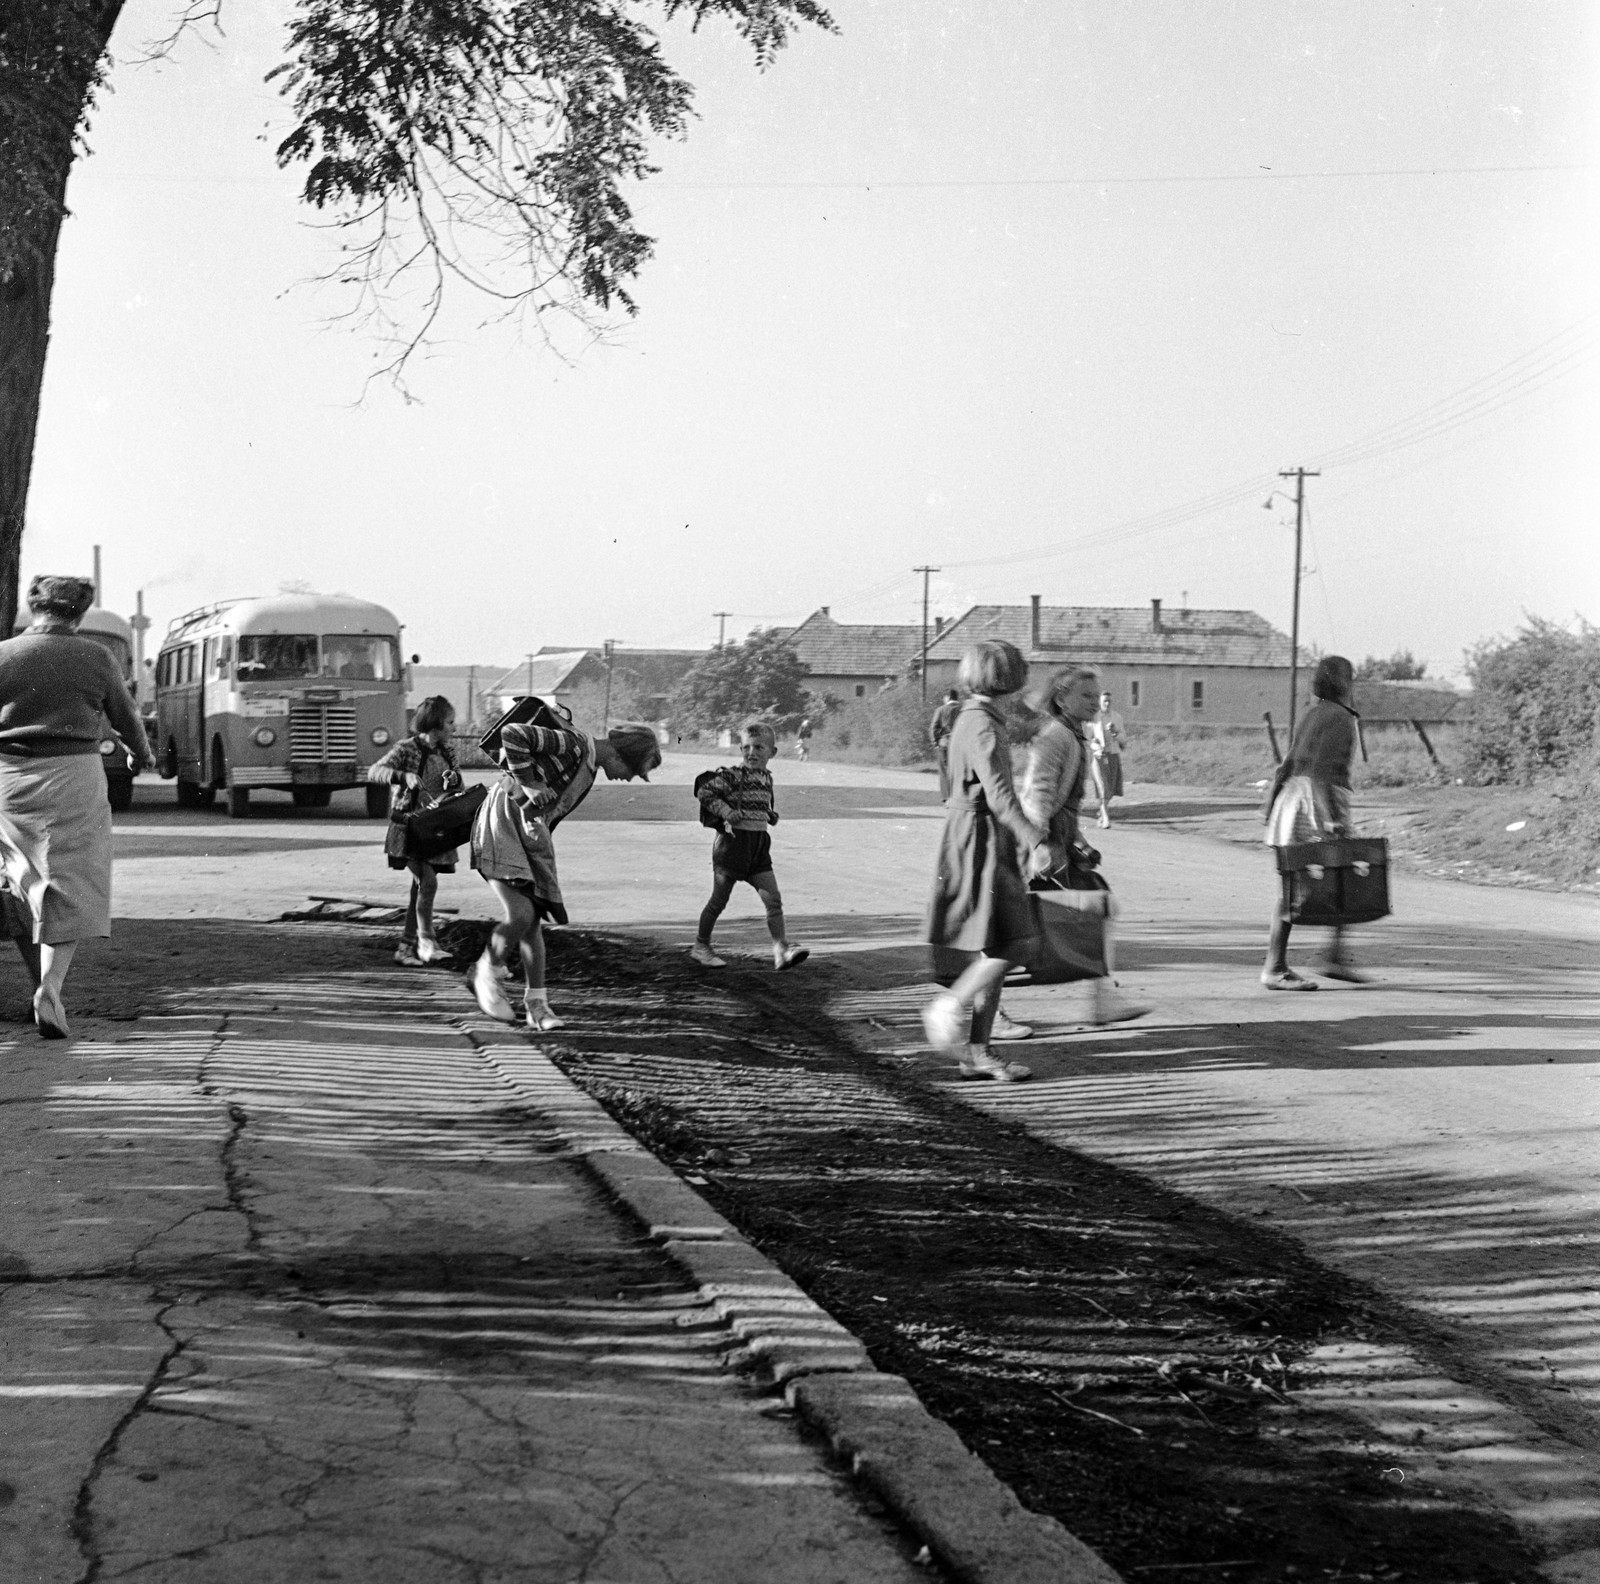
(529, 659)
(927, 572)
(722, 625)
(141, 625)
(611, 663)
(1299, 475)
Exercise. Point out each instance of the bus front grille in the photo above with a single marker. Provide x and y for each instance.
(322, 733)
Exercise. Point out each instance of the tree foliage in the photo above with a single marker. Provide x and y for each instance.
(1536, 701)
(763, 676)
(1401, 666)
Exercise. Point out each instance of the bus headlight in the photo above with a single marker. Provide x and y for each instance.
(107, 747)
(380, 735)
(263, 736)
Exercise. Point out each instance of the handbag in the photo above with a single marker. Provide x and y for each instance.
(1069, 927)
(1341, 881)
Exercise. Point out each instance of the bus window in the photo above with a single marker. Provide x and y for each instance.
(360, 657)
(277, 657)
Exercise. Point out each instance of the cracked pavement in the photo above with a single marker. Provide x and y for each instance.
(295, 1281)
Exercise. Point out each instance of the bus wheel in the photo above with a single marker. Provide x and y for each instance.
(312, 796)
(188, 793)
(377, 801)
(238, 802)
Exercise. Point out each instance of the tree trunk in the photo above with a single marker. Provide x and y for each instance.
(50, 53)
(24, 339)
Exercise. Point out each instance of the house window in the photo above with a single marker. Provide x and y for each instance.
(861, 689)
(1135, 694)
(1197, 694)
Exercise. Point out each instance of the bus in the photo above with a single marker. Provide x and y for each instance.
(112, 633)
(300, 693)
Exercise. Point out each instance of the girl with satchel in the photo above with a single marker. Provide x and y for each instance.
(1052, 796)
(422, 769)
(980, 922)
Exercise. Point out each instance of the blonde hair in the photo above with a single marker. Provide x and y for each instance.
(993, 667)
(763, 730)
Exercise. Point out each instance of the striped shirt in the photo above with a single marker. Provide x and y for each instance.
(740, 797)
(412, 756)
(553, 770)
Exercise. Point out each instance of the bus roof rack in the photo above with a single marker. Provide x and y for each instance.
(202, 613)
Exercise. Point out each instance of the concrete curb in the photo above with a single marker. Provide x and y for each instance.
(971, 1522)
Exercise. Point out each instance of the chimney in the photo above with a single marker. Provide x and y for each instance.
(1155, 615)
(938, 625)
(825, 612)
(1035, 648)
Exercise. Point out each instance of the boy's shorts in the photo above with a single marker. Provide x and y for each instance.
(744, 854)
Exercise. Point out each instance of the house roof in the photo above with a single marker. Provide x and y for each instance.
(1428, 702)
(830, 648)
(1120, 635)
(545, 673)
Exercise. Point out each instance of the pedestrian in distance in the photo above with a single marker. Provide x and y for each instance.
(1052, 796)
(56, 691)
(979, 920)
(422, 769)
(802, 741)
(944, 718)
(548, 772)
(1309, 801)
(1107, 738)
(738, 801)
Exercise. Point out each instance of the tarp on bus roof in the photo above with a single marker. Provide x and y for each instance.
(298, 613)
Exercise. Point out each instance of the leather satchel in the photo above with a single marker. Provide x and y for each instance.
(1069, 924)
(1342, 881)
(443, 825)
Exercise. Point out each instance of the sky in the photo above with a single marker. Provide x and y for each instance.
(1043, 295)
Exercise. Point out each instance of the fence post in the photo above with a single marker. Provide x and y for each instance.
(1272, 736)
(1416, 726)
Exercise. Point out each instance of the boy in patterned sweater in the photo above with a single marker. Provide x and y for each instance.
(739, 798)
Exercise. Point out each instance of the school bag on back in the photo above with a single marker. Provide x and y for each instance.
(526, 711)
(707, 818)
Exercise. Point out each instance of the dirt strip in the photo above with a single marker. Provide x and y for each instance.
(1130, 1362)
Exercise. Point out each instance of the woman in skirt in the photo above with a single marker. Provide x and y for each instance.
(548, 773)
(1052, 796)
(980, 921)
(1310, 802)
(422, 768)
(55, 821)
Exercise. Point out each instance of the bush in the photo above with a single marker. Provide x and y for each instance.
(889, 728)
(1535, 702)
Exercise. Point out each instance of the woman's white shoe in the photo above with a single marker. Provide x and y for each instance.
(486, 991)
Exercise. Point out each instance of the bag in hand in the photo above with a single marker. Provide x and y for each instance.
(1343, 881)
(1069, 912)
(446, 824)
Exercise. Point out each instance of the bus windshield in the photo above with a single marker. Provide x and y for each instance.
(360, 657)
(277, 657)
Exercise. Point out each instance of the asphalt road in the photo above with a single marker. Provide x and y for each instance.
(1434, 1131)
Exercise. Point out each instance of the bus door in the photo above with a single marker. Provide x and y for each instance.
(191, 710)
(216, 702)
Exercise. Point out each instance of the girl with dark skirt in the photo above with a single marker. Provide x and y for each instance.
(980, 922)
(422, 769)
(548, 773)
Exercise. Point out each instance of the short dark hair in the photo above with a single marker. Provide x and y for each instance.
(1333, 677)
(432, 713)
(65, 598)
(993, 667)
(638, 745)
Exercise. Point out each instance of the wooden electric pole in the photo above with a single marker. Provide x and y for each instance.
(722, 625)
(927, 572)
(1299, 475)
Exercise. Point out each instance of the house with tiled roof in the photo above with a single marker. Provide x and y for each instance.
(853, 659)
(1183, 667)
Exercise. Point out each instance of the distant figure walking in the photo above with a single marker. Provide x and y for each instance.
(980, 921)
(738, 801)
(549, 771)
(56, 689)
(1309, 802)
(422, 768)
(1107, 737)
(802, 741)
(939, 729)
